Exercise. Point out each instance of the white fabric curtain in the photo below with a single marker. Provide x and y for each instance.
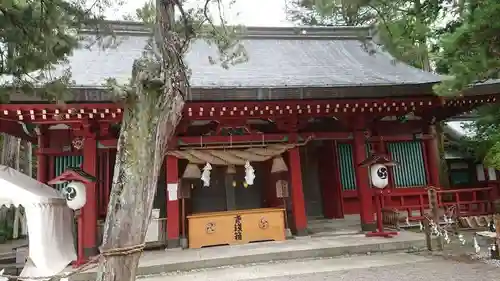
(30, 270)
(51, 244)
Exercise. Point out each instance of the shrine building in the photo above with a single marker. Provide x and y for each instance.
(307, 108)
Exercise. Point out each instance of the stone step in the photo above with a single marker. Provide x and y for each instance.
(333, 229)
(292, 268)
(171, 261)
(334, 233)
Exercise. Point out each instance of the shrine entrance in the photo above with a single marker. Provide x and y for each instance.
(313, 198)
(227, 192)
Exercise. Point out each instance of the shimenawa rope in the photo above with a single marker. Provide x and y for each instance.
(124, 251)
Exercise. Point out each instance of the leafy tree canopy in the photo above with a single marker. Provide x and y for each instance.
(470, 49)
(404, 27)
(458, 38)
(34, 36)
(469, 52)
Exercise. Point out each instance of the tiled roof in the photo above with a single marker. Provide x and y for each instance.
(278, 58)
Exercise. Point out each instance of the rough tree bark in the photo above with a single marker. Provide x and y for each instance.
(150, 118)
(10, 148)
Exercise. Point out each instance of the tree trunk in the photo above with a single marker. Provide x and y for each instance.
(444, 179)
(138, 163)
(152, 112)
(10, 151)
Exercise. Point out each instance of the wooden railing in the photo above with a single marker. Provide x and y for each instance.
(464, 202)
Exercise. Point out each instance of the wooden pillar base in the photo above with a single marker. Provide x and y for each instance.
(173, 243)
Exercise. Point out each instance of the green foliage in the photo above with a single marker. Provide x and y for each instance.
(331, 12)
(471, 50)
(405, 27)
(36, 35)
(458, 38)
(159, 68)
(484, 138)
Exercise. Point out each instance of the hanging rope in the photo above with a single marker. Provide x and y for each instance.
(232, 156)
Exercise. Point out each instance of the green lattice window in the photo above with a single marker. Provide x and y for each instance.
(346, 165)
(411, 169)
(63, 162)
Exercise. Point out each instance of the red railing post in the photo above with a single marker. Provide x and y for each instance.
(464, 200)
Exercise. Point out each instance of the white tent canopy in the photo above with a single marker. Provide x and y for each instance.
(49, 219)
(20, 189)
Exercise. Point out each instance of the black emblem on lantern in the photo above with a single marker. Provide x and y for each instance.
(382, 173)
(70, 193)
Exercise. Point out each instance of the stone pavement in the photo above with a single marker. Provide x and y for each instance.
(157, 262)
(433, 269)
(290, 269)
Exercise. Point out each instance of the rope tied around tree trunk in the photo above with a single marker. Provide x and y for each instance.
(122, 251)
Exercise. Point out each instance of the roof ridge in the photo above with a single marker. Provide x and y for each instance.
(286, 32)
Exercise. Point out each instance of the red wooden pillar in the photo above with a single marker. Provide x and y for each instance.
(89, 211)
(297, 194)
(362, 182)
(328, 174)
(173, 215)
(42, 173)
(432, 152)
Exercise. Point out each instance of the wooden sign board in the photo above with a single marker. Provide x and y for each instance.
(282, 189)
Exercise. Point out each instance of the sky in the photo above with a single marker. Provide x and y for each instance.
(244, 12)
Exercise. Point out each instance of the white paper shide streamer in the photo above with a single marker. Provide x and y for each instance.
(205, 175)
(249, 173)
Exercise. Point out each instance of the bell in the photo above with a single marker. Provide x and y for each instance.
(192, 171)
(278, 165)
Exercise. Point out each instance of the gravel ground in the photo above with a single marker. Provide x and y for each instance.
(437, 269)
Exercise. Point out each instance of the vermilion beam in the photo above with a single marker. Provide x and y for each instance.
(247, 109)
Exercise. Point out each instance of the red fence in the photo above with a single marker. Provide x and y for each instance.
(466, 201)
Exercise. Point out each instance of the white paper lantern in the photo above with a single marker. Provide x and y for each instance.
(379, 175)
(75, 194)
